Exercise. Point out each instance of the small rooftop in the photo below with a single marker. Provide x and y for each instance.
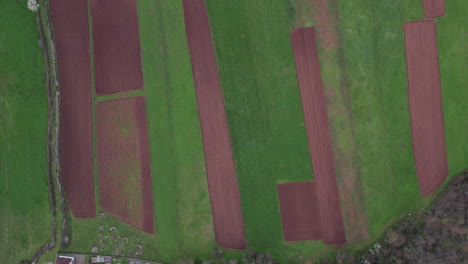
(64, 260)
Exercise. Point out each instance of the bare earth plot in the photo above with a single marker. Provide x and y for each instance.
(70, 22)
(300, 211)
(221, 173)
(425, 103)
(318, 132)
(123, 161)
(434, 8)
(117, 59)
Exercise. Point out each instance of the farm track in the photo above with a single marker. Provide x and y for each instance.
(425, 103)
(338, 101)
(221, 172)
(318, 133)
(53, 130)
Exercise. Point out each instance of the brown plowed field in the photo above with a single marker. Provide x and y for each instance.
(123, 161)
(425, 104)
(300, 211)
(70, 22)
(117, 59)
(316, 119)
(434, 8)
(221, 173)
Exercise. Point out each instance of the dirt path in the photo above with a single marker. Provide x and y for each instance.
(53, 123)
(50, 168)
(326, 22)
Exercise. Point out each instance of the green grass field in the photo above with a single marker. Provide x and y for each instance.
(264, 111)
(367, 103)
(373, 43)
(24, 204)
(375, 62)
(452, 37)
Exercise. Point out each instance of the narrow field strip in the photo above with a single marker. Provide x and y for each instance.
(425, 104)
(221, 172)
(300, 211)
(117, 59)
(70, 22)
(123, 161)
(342, 128)
(318, 132)
(434, 8)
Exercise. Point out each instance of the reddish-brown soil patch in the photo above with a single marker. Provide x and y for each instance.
(117, 59)
(123, 161)
(434, 8)
(316, 119)
(221, 173)
(300, 211)
(425, 104)
(70, 22)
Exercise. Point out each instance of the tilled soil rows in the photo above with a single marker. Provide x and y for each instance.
(221, 173)
(70, 21)
(117, 59)
(123, 161)
(300, 211)
(425, 104)
(434, 8)
(318, 132)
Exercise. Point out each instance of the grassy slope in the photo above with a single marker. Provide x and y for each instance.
(264, 112)
(452, 36)
(303, 13)
(181, 202)
(375, 61)
(179, 179)
(24, 204)
(257, 68)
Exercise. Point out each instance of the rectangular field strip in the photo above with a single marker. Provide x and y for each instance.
(434, 8)
(116, 39)
(318, 132)
(221, 173)
(425, 104)
(123, 161)
(300, 213)
(70, 22)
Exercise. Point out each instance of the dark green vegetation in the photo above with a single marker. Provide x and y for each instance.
(434, 235)
(24, 204)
